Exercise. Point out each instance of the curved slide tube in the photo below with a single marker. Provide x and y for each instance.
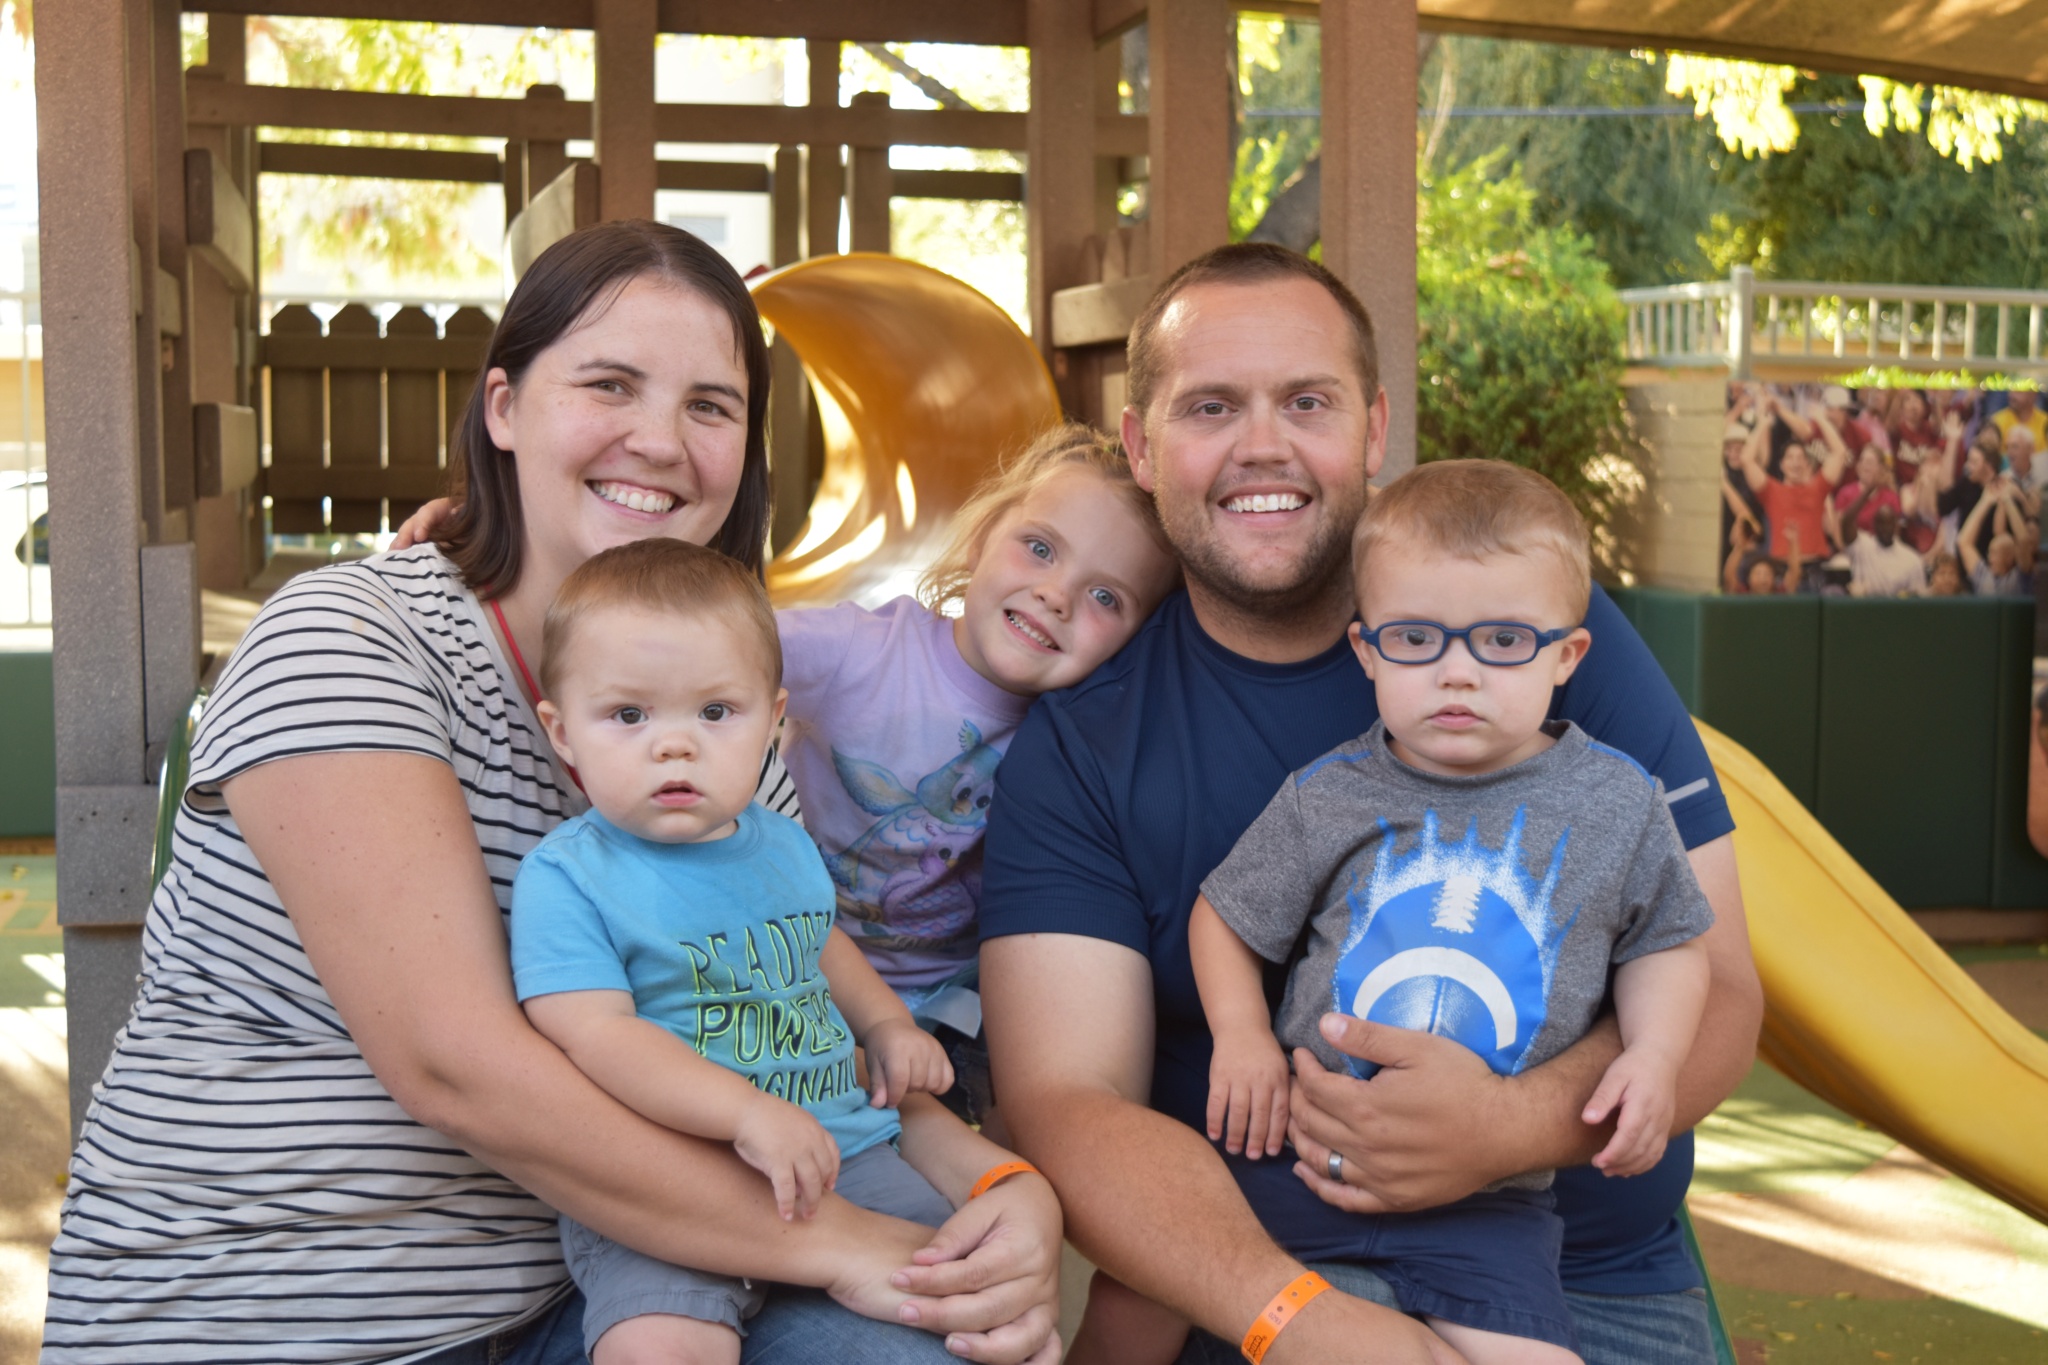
(922, 384)
(1864, 1009)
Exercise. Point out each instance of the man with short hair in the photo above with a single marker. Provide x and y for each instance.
(1256, 419)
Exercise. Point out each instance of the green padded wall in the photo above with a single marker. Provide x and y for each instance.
(1902, 725)
(1909, 755)
(1669, 623)
(1760, 682)
(28, 752)
(2019, 875)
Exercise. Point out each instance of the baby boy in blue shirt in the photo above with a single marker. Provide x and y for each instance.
(676, 941)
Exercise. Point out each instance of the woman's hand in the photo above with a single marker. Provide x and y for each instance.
(989, 1279)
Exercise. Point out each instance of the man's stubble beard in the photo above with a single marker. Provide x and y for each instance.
(1321, 576)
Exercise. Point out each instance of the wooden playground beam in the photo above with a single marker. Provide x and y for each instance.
(995, 22)
(217, 104)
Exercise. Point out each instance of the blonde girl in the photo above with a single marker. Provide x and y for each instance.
(899, 715)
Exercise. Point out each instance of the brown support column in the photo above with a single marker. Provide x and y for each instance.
(1109, 71)
(142, 169)
(868, 184)
(544, 160)
(105, 804)
(1368, 160)
(786, 205)
(622, 121)
(790, 396)
(1191, 128)
(824, 186)
(1059, 156)
(169, 151)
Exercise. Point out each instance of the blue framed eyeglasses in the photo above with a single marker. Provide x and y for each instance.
(1502, 644)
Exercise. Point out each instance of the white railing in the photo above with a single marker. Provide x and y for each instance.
(1742, 320)
(24, 498)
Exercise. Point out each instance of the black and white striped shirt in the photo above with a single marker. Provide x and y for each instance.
(245, 1190)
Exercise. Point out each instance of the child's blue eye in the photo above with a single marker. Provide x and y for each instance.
(1039, 548)
(629, 715)
(718, 710)
(1104, 598)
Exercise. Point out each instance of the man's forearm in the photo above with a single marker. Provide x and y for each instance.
(1148, 1200)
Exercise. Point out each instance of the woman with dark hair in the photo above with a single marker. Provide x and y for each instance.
(327, 1133)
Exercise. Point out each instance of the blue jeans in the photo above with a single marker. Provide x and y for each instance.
(1638, 1329)
(1643, 1329)
(798, 1326)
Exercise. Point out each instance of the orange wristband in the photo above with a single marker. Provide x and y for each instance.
(1002, 1172)
(1279, 1313)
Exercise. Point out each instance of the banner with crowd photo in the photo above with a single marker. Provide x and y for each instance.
(1892, 492)
(1881, 492)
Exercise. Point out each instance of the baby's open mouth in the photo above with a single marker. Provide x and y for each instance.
(629, 495)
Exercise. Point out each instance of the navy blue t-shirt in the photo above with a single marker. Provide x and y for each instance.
(1118, 796)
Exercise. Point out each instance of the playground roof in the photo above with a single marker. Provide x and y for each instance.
(1997, 45)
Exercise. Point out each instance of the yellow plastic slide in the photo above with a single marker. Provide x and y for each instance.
(1863, 1009)
(923, 383)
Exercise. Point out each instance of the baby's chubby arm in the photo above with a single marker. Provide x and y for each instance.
(661, 1077)
(1658, 998)
(1247, 1069)
(902, 1058)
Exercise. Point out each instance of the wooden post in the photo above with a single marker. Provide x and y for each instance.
(823, 184)
(140, 105)
(180, 489)
(1368, 161)
(789, 397)
(105, 801)
(1059, 139)
(355, 424)
(544, 160)
(298, 424)
(868, 186)
(786, 204)
(1109, 74)
(622, 120)
(412, 399)
(1189, 42)
(477, 325)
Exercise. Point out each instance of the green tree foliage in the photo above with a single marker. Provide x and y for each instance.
(1279, 67)
(1643, 189)
(1520, 342)
(1844, 205)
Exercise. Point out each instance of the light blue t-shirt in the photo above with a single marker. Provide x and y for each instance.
(717, 942)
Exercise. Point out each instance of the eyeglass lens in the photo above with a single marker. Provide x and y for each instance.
(1424, 641)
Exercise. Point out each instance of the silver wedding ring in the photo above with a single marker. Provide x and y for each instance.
(1335, 1167)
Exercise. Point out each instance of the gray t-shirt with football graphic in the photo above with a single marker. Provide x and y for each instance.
(1485, 909)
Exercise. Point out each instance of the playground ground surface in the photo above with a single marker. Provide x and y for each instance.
(1829, 1243)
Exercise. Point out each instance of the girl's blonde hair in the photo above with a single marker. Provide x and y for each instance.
(1014, 480)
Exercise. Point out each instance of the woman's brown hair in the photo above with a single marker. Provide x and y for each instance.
(570, 281)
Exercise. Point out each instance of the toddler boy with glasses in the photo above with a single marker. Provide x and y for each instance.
(1470, 868)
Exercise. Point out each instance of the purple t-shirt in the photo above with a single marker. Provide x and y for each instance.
(893, 742)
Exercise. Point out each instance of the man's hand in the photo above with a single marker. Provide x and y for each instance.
(1431, 1127)
(1248, 1093)
(902, 1059)
(419, 528)
(793, 1150)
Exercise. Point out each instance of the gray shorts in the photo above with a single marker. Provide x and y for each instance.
(620, 1283)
